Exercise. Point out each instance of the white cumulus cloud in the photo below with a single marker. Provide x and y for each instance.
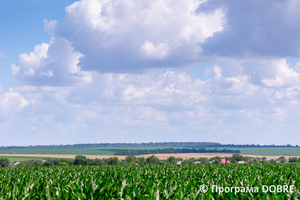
(12, 102)
(49, 26)
(158, 52)
(168, 102)
(55, 63)
(94, 75)
(127, 35)
(283, 75)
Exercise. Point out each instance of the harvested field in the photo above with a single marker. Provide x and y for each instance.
(160, 156)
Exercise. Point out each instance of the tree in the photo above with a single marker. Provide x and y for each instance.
(141, 160)
(98, 162)
(232, 160)
(188, 161)
(152, 160)
(90, 162)
(37, 163)
(246, 159)
(237, 157)
(255, 160)
(48, 163)
(293, 159)
(130, 159)
(272, 161)
(203, 160)
(113, 161)
(171, 160)
(63, 164)
(80, 160)
(264, 161)
(95, 162)
(282, 160)
(4, 162)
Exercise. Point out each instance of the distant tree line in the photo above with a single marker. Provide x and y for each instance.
(255, 145)
(174, 150)
(132, 160)
(129, 160)
(143, 145)
(82, 160)
(294, 159)
(115, 145)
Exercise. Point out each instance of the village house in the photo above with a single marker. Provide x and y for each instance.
(14, 164)
(224, 161)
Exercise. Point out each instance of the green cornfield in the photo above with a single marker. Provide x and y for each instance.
(150, 182)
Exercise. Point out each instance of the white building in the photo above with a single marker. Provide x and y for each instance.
(15, 164)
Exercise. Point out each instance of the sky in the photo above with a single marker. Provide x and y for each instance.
(108, 71)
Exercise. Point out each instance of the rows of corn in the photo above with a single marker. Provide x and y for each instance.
(147, 182)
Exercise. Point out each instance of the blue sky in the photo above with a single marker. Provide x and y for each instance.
(22, 28)
(95, 71)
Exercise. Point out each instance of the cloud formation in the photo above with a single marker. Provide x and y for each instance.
(255, 29)
(12, 102)
(118, 36)
(130, 37)
(55, 63)
(96, 75)
(124, 36)
(281, 75)
(2, 55)
(49, 26)
(173, 102)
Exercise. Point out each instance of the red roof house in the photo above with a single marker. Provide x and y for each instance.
(223, 161)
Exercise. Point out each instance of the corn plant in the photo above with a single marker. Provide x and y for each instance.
(147, 182)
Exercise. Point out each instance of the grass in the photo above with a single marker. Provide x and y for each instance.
(83, 151)
(61, 151)
(20, 159)
(289, 151)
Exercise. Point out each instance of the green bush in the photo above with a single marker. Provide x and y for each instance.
(4, 162)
